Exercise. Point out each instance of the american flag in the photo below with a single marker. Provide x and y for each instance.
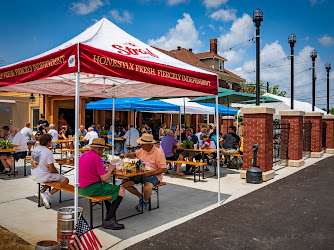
(83, 237)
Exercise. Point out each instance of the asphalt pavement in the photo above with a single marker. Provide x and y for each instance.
(296, 212)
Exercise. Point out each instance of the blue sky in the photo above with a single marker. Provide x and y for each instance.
(32, 27)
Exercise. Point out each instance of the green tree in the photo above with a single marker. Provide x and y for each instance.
(250, 87)
(331, 111)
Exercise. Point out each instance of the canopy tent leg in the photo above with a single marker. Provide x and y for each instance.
(218, 155)
(184, 111)
(136, 119)
(171, 120)
(113, 128)
(76, 138)
(180, 126)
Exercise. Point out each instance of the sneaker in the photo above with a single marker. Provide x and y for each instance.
(138, 207)
(145, 206)
(40, 198)
(46, 199)
(11, 172)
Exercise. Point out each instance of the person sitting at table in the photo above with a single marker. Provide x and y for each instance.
(130, 137)
(44, 170)
(190, 154)
(162, 131)
(208, 144)
(28, 134)
(93, 177)
(83, 132)
(118, 144)
(169, 145)
(18, 141)
(142, 130)
(155, 160)
(91, 135)
(64, 135)
(54, 133)
(148, 129)
(4, 133)
(203, 131)
(231, 141)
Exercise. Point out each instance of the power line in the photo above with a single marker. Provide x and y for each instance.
(248, 40)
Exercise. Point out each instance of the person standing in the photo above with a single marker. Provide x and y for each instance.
(42, 125)
(162, 131)
(92, 182)
(28, 134)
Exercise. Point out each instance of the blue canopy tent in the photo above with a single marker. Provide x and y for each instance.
(133, 104)
(223, 110)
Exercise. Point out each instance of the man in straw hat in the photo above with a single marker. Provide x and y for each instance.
(154, 159)
(92, 182)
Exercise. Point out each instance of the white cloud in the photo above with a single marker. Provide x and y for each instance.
(326, 40)
(241, 30)
(214, 3)
(314, 2)
(85, 7)
(307, 38)
(224, 15)
(176, 2)
(125, 18)
(233, 56)
(184, 34)
(212, 27)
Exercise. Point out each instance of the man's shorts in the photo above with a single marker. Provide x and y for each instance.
(51, 177)
(31, 142)
(138, 179)
(230, 151)
(187, 153)
(174, 157)
(19, 155)
(100, 188)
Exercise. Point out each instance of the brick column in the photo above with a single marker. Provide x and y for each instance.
(316, 133)
(258, 129)
(227, 121)
(295, 147)
(329, 133)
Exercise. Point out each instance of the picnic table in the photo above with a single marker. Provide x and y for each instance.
(64, 141)
(71, 150)
(11, 151)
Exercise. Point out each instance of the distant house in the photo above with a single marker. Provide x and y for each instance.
(210, 61)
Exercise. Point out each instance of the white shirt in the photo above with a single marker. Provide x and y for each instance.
(90, 136)
(131, 137)
(20, 142)
(199, 138)
(26, 132)
(54, 134)
(42, 157)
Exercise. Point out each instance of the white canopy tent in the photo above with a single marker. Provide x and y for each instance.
(104, 61)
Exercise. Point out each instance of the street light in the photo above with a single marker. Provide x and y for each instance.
(328, 68)
(257, 19)
(313, 56)
(32, 98)
(292, 41)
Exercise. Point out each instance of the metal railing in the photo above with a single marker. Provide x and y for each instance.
(324, 135)
(280, 142)
(307, 126)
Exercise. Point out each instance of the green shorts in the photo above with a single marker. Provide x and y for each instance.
(100, 188)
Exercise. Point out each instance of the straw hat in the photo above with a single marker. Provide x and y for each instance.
(98, 143)
(146, 139)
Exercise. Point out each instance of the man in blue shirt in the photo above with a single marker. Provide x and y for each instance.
(118, 144)
(168, 145)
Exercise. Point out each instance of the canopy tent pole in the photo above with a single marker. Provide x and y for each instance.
(184, 111)
(218, 155)
(171, 120)
(76, 139)
(113, 128)
(180, 126)
(136, 119)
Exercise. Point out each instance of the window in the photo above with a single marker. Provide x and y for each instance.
(221, 66)
(34, 118)
(206, 117)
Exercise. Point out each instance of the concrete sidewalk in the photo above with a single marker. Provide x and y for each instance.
(180, 200)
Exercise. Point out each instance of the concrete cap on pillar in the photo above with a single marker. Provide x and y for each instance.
(314, 114)
(257, 110)
(328, 117)
(227, 117)
(291, 113)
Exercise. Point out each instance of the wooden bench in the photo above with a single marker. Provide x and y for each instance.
(195, 164)
(93, 201)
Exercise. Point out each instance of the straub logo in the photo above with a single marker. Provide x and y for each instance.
(71, 61)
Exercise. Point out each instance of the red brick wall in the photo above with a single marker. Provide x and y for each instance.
(258, 129)
(295, 149)
(330, 133)
(226, 124)
(316, 133)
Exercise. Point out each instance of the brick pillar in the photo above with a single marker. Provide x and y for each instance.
(329, 133)
(295, 147)
(316, 133)
(258, 129)
(227, 122)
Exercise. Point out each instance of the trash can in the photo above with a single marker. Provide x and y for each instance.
(65, 225)
(47, 245)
